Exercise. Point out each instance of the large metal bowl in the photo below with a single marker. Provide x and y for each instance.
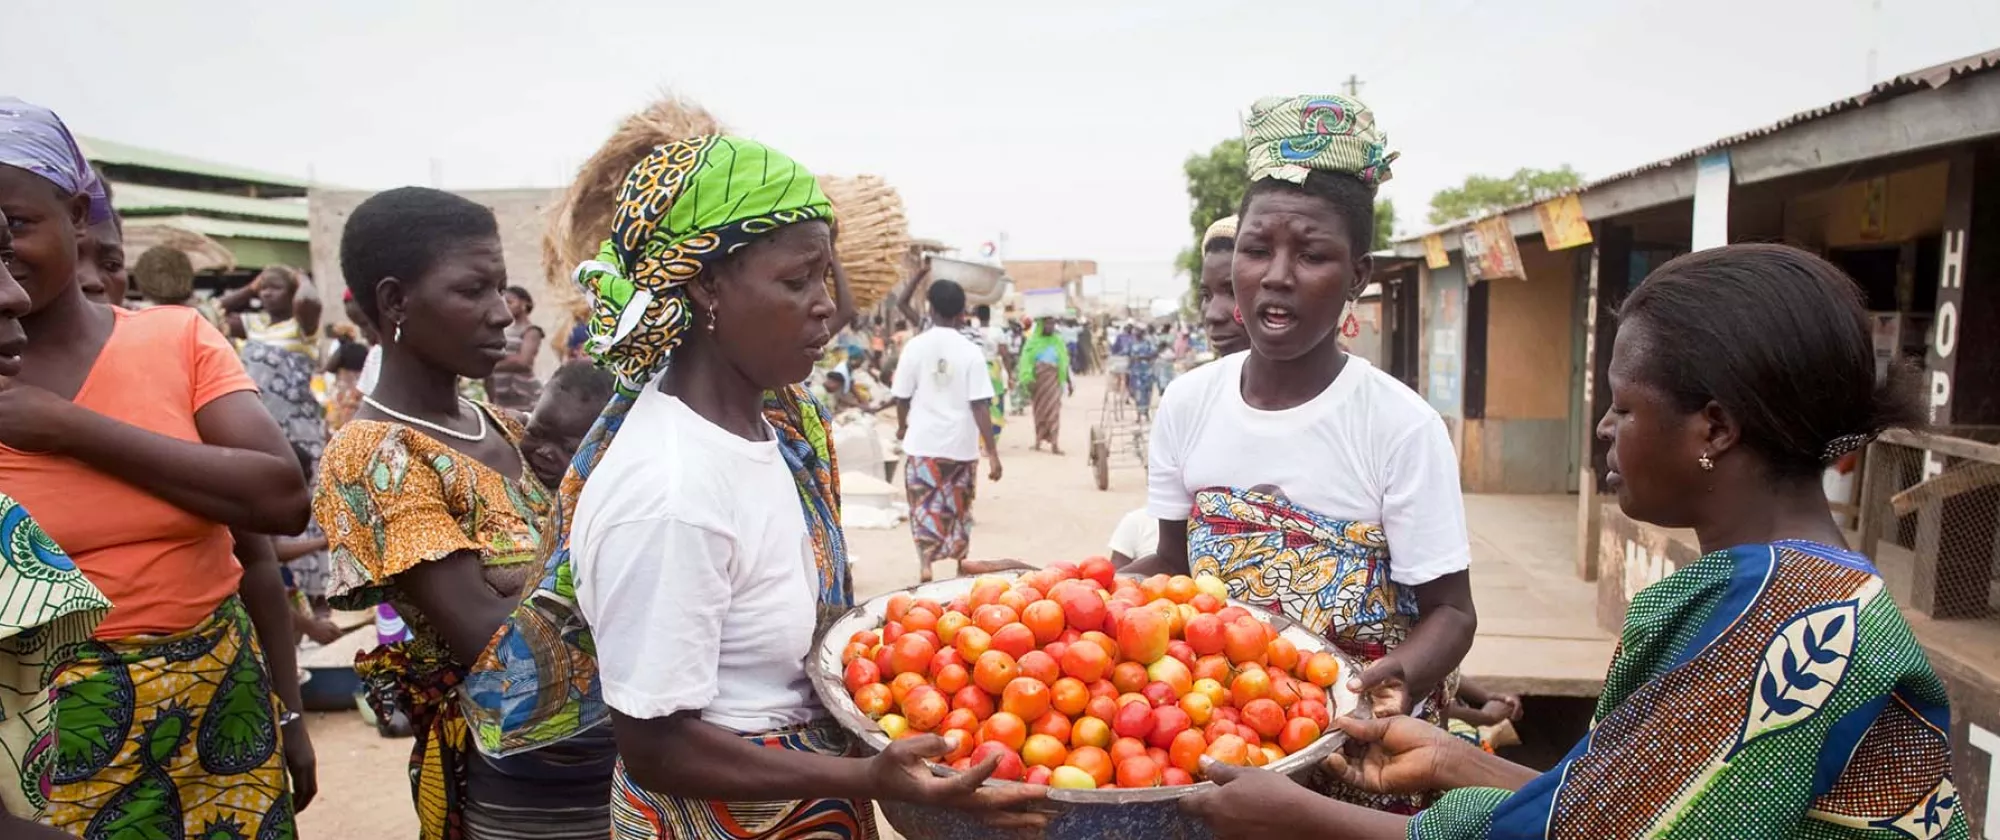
(1094, 814)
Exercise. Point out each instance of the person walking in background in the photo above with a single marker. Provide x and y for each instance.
(280, 349)
(1172, 348)
(513, 384)
(1140, 354)
(352, 344)
(428, 504)
(139, 443)
(1219, 316)
(1072, 335)
(944, 407)
(1771, 688)
(1045, 372)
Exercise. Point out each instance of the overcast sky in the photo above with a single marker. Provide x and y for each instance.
(1062, 124)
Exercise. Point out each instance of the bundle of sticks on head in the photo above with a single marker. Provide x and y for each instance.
(872, 235)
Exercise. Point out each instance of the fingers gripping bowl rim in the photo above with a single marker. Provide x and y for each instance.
(825, 670)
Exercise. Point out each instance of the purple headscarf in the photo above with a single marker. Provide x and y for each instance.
(34, 138)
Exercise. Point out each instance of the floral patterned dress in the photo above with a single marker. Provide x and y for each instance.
(391, 498)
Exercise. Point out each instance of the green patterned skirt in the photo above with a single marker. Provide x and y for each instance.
(171, 737)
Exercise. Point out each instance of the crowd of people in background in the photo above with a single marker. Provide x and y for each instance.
(598, 595)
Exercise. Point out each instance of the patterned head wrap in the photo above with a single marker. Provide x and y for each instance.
(34, 138)
(1287, 136)
(1224, 228)
(688, 204)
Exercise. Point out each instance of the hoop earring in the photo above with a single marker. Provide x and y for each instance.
(1707, 463)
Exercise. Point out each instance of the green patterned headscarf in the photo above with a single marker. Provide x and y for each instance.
(1286, 137)
(689, 203)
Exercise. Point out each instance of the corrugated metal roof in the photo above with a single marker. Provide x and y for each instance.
(224, 228)
(99, 150)
(147, 200)
(1915, 81)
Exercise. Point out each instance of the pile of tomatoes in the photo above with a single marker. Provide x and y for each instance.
(1079, 678)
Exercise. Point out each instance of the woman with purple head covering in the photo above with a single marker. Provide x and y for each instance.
(140, 444)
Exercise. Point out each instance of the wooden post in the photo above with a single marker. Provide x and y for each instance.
(1877, 482)
(1610, 277)
(1589, 509)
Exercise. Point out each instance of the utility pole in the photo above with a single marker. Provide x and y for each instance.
(1353, 85)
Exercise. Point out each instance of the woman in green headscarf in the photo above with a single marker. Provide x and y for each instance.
(702, 548)
(1044, 373)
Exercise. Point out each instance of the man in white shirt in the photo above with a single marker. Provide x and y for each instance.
(943, 400)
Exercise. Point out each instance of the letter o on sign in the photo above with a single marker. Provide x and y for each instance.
(1947, 328)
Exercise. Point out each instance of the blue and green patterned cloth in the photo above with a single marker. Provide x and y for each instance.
(1762, 691)
(47, 609)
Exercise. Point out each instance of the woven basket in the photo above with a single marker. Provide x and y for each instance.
(203, 253)
(873, 234)
(581, 219)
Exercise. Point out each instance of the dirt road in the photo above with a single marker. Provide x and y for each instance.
(1044, 508)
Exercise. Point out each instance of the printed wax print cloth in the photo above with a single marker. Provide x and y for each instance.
(171, 736)
(389, 499)
(1285, 137)
(281, 361)
(640, 814)
(1331, 576)
(940, 496)
(1762, 691)
(688, 204)
(47, 607)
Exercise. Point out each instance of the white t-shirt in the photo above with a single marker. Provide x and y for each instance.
(694, 571)
(1367, 449)
(941, 373)
(1136, 535)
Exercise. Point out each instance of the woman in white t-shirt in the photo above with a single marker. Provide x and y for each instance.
(703, 538)
(1296, 472)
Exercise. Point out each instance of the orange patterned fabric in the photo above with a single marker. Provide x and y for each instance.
(390, 498)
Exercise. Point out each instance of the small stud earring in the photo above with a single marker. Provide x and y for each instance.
(1707, 463)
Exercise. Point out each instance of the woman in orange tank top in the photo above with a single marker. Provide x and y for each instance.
(143, 450)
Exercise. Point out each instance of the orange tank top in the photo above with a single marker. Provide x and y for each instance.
(164, 569)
